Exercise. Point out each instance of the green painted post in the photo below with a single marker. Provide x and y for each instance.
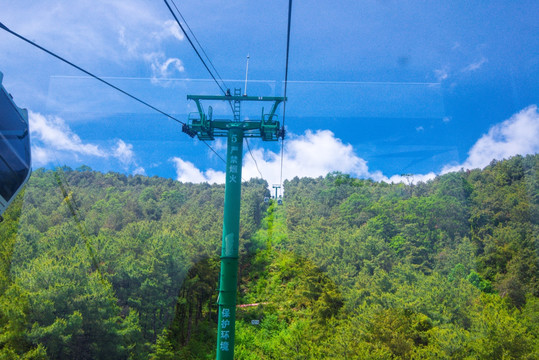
(228, 281)
(207, 128)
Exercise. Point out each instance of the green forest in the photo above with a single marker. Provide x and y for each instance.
(110, 266)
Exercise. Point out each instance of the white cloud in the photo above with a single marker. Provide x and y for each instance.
(410, 179)
(124, 153)
(171, 28)
(175, 63)
(187, 172)
(41, 156)
(444, 73)
(53, 141)
(517, 135)
(318, 153)
(441, 74)
(218, 145)
(475, 66)
(53, 133)
(126, 156)
(130, 45)
(148, 46)
(139, 171)
(89, 32)
(310, 155)
(313, 154)
(163, 67)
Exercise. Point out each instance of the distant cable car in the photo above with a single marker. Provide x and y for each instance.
(266, 199)
(280, 201)
(15, 165)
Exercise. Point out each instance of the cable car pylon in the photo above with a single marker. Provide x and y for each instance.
(202, 125)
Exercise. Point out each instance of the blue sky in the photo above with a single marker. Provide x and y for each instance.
(377, 88)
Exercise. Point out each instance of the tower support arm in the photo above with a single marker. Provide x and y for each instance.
(273, 109)
(235, 98)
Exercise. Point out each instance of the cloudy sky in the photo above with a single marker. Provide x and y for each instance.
(377, 89)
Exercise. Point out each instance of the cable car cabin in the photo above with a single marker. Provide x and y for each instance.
(15, 164)
(280, 201)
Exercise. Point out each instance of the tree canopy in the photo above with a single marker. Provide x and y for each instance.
(97, 265)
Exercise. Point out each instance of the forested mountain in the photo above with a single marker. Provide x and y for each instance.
(108, 266)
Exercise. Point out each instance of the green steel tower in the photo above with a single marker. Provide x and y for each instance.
(202, 125)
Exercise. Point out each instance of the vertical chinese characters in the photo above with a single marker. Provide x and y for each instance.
(225, 334)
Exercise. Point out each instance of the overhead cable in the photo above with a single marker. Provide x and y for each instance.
(194, 47)
(285, 83)
(103, 81)
(256, 164)
(215, 152)
(89, 73)
(201, 48)
(199, 45)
